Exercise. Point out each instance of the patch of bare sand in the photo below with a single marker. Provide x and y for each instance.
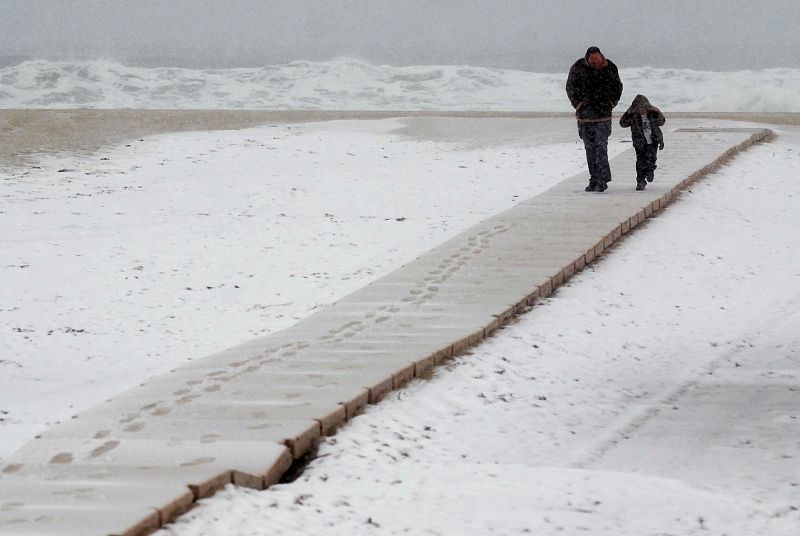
(25, 133)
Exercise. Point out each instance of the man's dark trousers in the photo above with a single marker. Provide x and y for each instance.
(595, 140)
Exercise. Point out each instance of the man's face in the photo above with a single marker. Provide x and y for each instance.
(595, 60)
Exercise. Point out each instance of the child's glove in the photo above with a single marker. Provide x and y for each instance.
(661, 145)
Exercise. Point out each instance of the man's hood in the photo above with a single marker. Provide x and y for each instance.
(593, 50)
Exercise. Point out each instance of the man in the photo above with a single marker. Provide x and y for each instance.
(594, 88)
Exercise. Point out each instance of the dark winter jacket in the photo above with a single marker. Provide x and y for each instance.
(633, 119)
(593, 92)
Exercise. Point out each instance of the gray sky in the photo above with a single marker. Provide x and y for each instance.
(543, 35)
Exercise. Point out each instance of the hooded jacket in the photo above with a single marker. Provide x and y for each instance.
(593, 92)
(633, 119)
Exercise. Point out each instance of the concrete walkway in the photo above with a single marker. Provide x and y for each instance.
(246, 414)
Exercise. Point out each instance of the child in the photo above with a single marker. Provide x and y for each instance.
(644, 120)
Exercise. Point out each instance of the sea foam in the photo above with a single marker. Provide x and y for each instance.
(350, 84)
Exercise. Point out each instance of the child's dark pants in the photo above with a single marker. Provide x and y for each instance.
(646, 161)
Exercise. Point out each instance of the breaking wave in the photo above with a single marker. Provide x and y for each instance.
(349, 84)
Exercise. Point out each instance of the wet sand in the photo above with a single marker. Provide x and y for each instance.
(25, 133)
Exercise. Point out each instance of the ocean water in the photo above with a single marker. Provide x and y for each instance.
(350, 84)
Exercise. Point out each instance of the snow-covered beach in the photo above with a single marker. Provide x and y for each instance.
(125, 263)
(173, 248)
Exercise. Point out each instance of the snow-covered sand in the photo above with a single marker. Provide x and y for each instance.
(127, 263)
(656, 393)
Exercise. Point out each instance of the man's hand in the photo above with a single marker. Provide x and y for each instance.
(661, 145)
